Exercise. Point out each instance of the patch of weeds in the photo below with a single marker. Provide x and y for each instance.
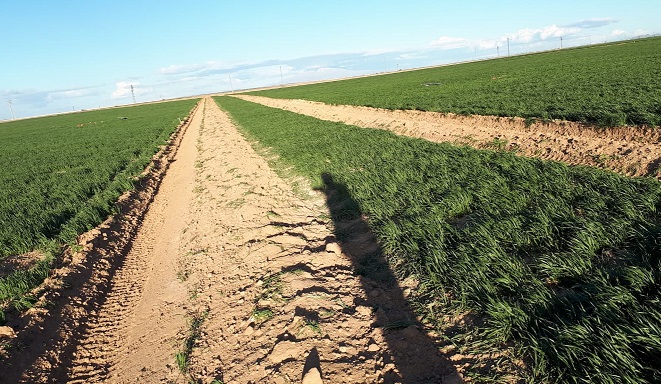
(271, 289)
(262, 315)
(193, 292)
(341, 303)
(529, 121)
(236, 203)
(75, 247)
(312, 325)
(326, 313)
(272, 214)
(497, 144)
(633, 168)
(399, 324)
(15, 289)
(183, 273)
(603, 158)
(198, 189)
(182, 357)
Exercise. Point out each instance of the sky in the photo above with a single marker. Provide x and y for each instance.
(60, 56)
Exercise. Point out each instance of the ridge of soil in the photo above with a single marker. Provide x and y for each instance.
(632, 151)
(47, 334)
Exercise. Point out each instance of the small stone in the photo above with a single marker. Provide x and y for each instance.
(454, 378)
(249, 331)
(7, 332)
(373, 347)
(363, 311)
(312, 376)
(333, 248)
(283, 351)
(410, 332)
(375, 293)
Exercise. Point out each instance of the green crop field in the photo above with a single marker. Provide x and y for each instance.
(60, 176)
(608, 85)
(563, 263)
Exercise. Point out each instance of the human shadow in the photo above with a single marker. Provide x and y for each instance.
(413, 356)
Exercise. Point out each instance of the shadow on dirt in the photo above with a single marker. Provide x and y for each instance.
(413, 356)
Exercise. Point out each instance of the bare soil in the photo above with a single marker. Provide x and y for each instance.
(632, 151)
(225, 240)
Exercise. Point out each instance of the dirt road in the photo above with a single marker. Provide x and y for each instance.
(238, 273)
(627, 150)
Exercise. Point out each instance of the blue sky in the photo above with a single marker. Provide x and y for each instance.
(58, 56)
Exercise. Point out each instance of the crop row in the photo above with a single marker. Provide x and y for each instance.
(61, 175)
(563, 262)
(609, 85)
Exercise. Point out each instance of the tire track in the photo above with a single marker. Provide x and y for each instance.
(49, 333)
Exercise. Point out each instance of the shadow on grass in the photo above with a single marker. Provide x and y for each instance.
(412, 356)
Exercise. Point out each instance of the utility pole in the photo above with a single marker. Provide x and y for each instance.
(560, 42)
(132, 94)
(497, 51)
(508, 46)
(13, 117)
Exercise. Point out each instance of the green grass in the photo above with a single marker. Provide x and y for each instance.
(608, 85)
(182, 357)
(61, 175)
(562, 262)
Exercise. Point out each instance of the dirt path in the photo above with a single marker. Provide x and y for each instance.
(627, 150)
(136, 332)
(238, 273)
(279, 293)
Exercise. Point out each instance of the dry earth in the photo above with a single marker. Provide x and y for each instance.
(241, 266)
(628, 150)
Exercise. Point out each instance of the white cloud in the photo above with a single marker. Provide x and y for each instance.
(123, 89)
(618, 32)
(594, 23)
(69, 94)
(411, 56)
(551, 31)
(186, 69)
(448, 42)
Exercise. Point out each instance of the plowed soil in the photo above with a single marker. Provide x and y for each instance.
(237, 272)
(632, 151)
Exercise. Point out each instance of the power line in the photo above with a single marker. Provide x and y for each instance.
(13, 117)
(132, 94)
